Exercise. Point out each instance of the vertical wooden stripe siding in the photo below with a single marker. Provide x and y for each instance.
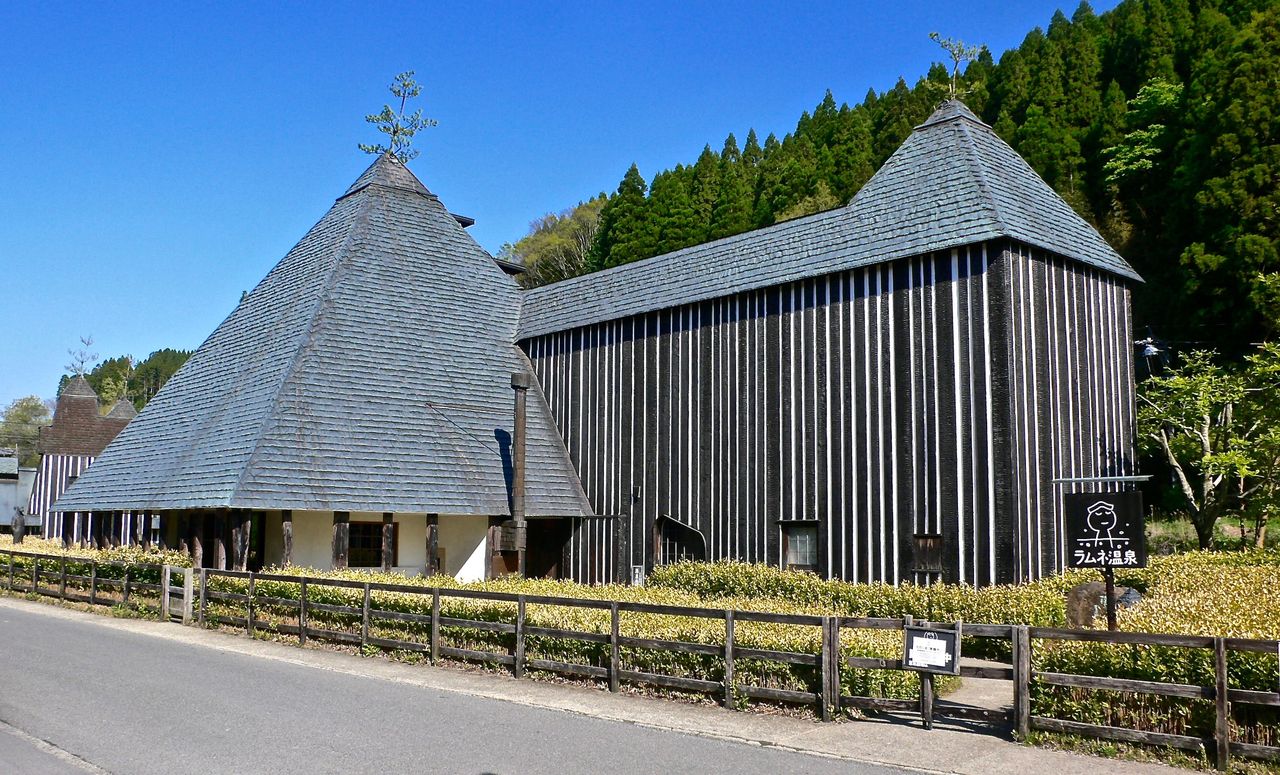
(941, 393)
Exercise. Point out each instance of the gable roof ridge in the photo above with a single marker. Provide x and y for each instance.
(272, 414)
(980, 177)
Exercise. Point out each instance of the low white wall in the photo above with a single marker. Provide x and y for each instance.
(463, 540)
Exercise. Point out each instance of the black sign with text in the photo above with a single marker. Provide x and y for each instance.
(1105, 530)
(931, 649)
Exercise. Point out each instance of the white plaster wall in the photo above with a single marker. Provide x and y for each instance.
(313, 538)
(464, 542)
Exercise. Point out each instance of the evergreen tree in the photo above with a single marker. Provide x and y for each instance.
(672, 208)
(704, 189)
(732, 212)
(626, 231)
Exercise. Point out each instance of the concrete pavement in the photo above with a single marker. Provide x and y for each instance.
(139, 696)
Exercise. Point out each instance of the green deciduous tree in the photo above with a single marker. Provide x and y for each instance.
(557, 244)
(1214, 425)
(20, 428)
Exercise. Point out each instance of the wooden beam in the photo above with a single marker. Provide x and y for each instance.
(243, 527)
(388, 533)
(341, 538)
(196, 531)
(220, 539)
(286, 537)
(432, 566)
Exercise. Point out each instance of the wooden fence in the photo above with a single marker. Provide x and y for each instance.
(828, 700)
(80, 580)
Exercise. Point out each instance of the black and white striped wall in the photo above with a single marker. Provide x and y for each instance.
(939, 394)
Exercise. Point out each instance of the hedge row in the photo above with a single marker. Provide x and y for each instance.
(1233, 594)
(775, 637)
(114, 561)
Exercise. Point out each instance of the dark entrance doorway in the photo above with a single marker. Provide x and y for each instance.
(544, 552)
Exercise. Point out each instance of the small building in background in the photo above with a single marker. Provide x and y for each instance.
(15, 489)
(78, 435)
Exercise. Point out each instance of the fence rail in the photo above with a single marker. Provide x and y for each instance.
(197, 596)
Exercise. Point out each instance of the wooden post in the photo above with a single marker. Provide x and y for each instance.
(220, 540)
(388, 534)
(93, 582)
(234, 527)
(824, 692)
(520, 384)
(286, 537)
(364, 617)
(62, 582)
(10, 571)
(435, 625)
(35, 575)
(1021, 681)
(248, 605)
(729, 680)
(195, 524)
(124, 594)
(1222, 698)
(615, 661)
(926, 699)
(834, 669)
(242, 522)
(164, 593)
(433, 545)
(517, 666)
(341, 538)
(1109, 575)
(188, 579)
(302, 611)
(204, 594)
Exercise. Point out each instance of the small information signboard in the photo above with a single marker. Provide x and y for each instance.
(1105, 530)
(932, 649)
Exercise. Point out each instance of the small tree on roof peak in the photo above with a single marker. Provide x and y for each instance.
(959, 53)
(398, 126)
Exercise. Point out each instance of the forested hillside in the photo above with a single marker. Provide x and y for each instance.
(137, 381)
(1159, 121)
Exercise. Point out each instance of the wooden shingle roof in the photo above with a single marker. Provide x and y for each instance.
(952, 182)
(370, 370)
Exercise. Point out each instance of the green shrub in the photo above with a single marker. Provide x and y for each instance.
(774, 637)
(1040, 604)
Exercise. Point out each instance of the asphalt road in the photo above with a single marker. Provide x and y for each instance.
(93, 698)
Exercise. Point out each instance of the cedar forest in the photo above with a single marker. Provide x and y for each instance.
(1158, 121)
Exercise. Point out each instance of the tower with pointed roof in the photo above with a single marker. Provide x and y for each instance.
(886, 391)
(78, 434)
(366, 378)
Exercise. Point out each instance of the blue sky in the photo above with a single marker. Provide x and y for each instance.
(158, 159)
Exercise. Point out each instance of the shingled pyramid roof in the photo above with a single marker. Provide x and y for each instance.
(370, 370)
(952, 182)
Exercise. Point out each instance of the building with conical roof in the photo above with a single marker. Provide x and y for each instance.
(885, 391)
(68, 445)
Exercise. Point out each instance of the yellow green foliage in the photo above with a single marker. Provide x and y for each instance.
(140, 562)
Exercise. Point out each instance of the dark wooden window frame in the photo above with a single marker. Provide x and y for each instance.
(927, 553)
(356, 550)
(785, 526)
